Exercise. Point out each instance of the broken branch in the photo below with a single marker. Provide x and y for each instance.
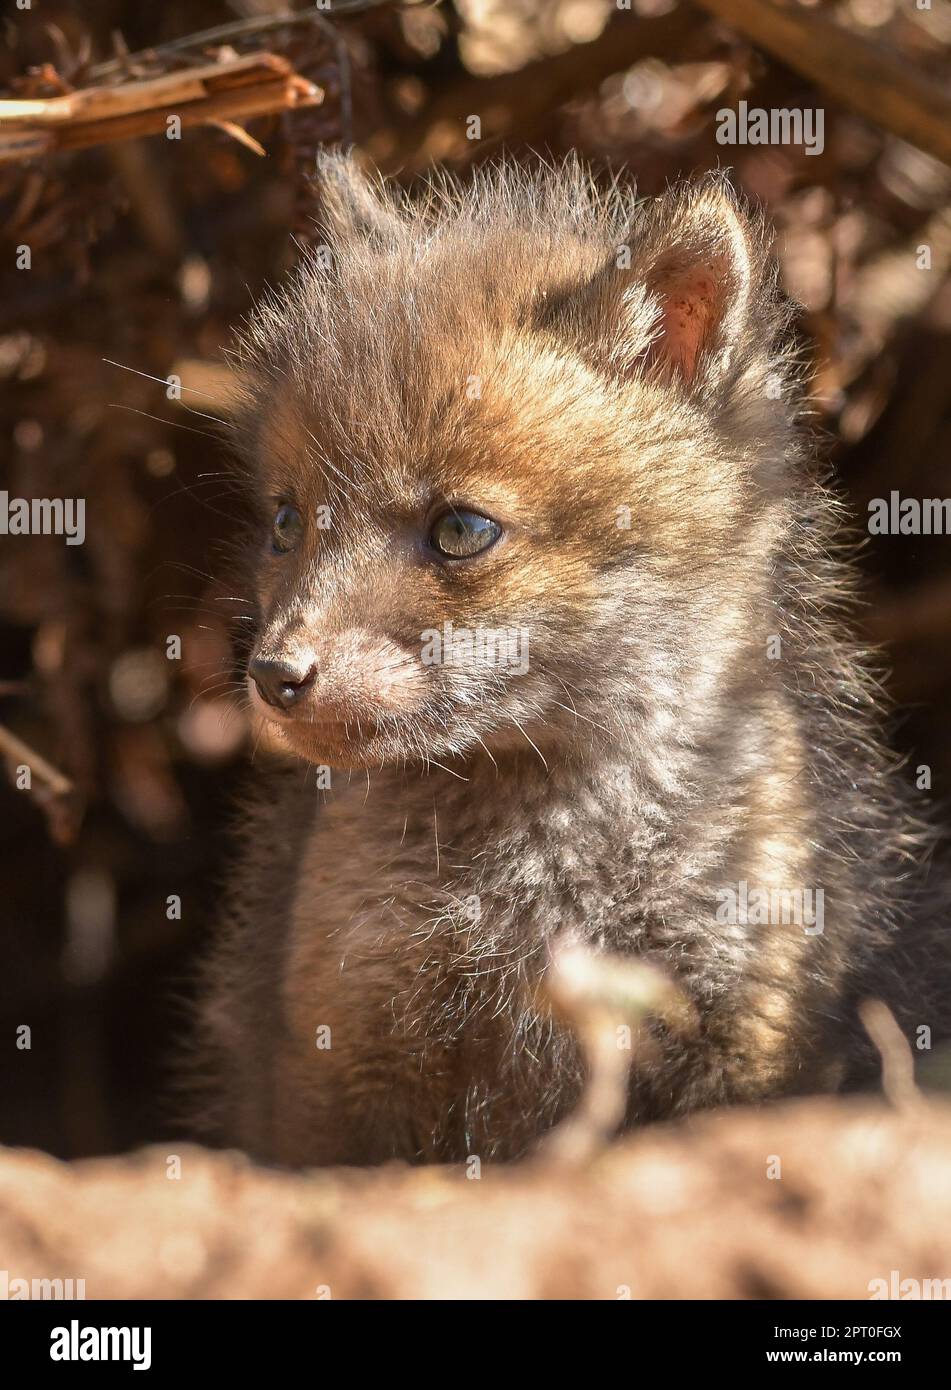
(17, 753)
(257, 85)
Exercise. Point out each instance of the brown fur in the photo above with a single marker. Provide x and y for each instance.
(494, 350)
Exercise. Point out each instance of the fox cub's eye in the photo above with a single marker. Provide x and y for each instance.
(286, 529)
(461, 534)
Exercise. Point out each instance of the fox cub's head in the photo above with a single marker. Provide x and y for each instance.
(519, 459)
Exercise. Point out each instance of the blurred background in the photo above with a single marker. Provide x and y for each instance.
(145, 253)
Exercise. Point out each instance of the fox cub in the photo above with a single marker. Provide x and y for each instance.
(548, 623)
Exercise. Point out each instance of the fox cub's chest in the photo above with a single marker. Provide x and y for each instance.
(380, 904)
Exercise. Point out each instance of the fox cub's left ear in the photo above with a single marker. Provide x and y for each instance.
(354, 206)
(675, 300)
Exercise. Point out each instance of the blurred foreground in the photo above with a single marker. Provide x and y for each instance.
(811, 1200)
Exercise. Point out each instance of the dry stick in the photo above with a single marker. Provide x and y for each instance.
(596, 993)
(258, 85)
(15, 751)
(104, 103)
(260, 100)
(859, 74)
(898, 1063)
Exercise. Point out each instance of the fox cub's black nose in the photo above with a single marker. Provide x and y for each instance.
(280, 683)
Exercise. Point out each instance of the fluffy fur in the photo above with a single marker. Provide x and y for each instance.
(610, 381)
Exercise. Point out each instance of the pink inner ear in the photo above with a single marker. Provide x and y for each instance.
(692, 305)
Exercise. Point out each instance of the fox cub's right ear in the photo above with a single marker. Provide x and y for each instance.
(675, 303)
(352, 206)
(697, 270)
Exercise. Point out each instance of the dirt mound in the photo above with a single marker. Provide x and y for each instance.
(812, 1199)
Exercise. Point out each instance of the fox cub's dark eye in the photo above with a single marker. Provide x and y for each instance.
(286, 529)
(461, 534)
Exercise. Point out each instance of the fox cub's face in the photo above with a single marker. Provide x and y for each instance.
(509, 445)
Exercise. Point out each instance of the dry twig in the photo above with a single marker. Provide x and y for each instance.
(216, 94)
(606, 998)
(898, 1064)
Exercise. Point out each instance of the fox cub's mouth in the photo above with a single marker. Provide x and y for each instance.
(340, 703)
(317, 735)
